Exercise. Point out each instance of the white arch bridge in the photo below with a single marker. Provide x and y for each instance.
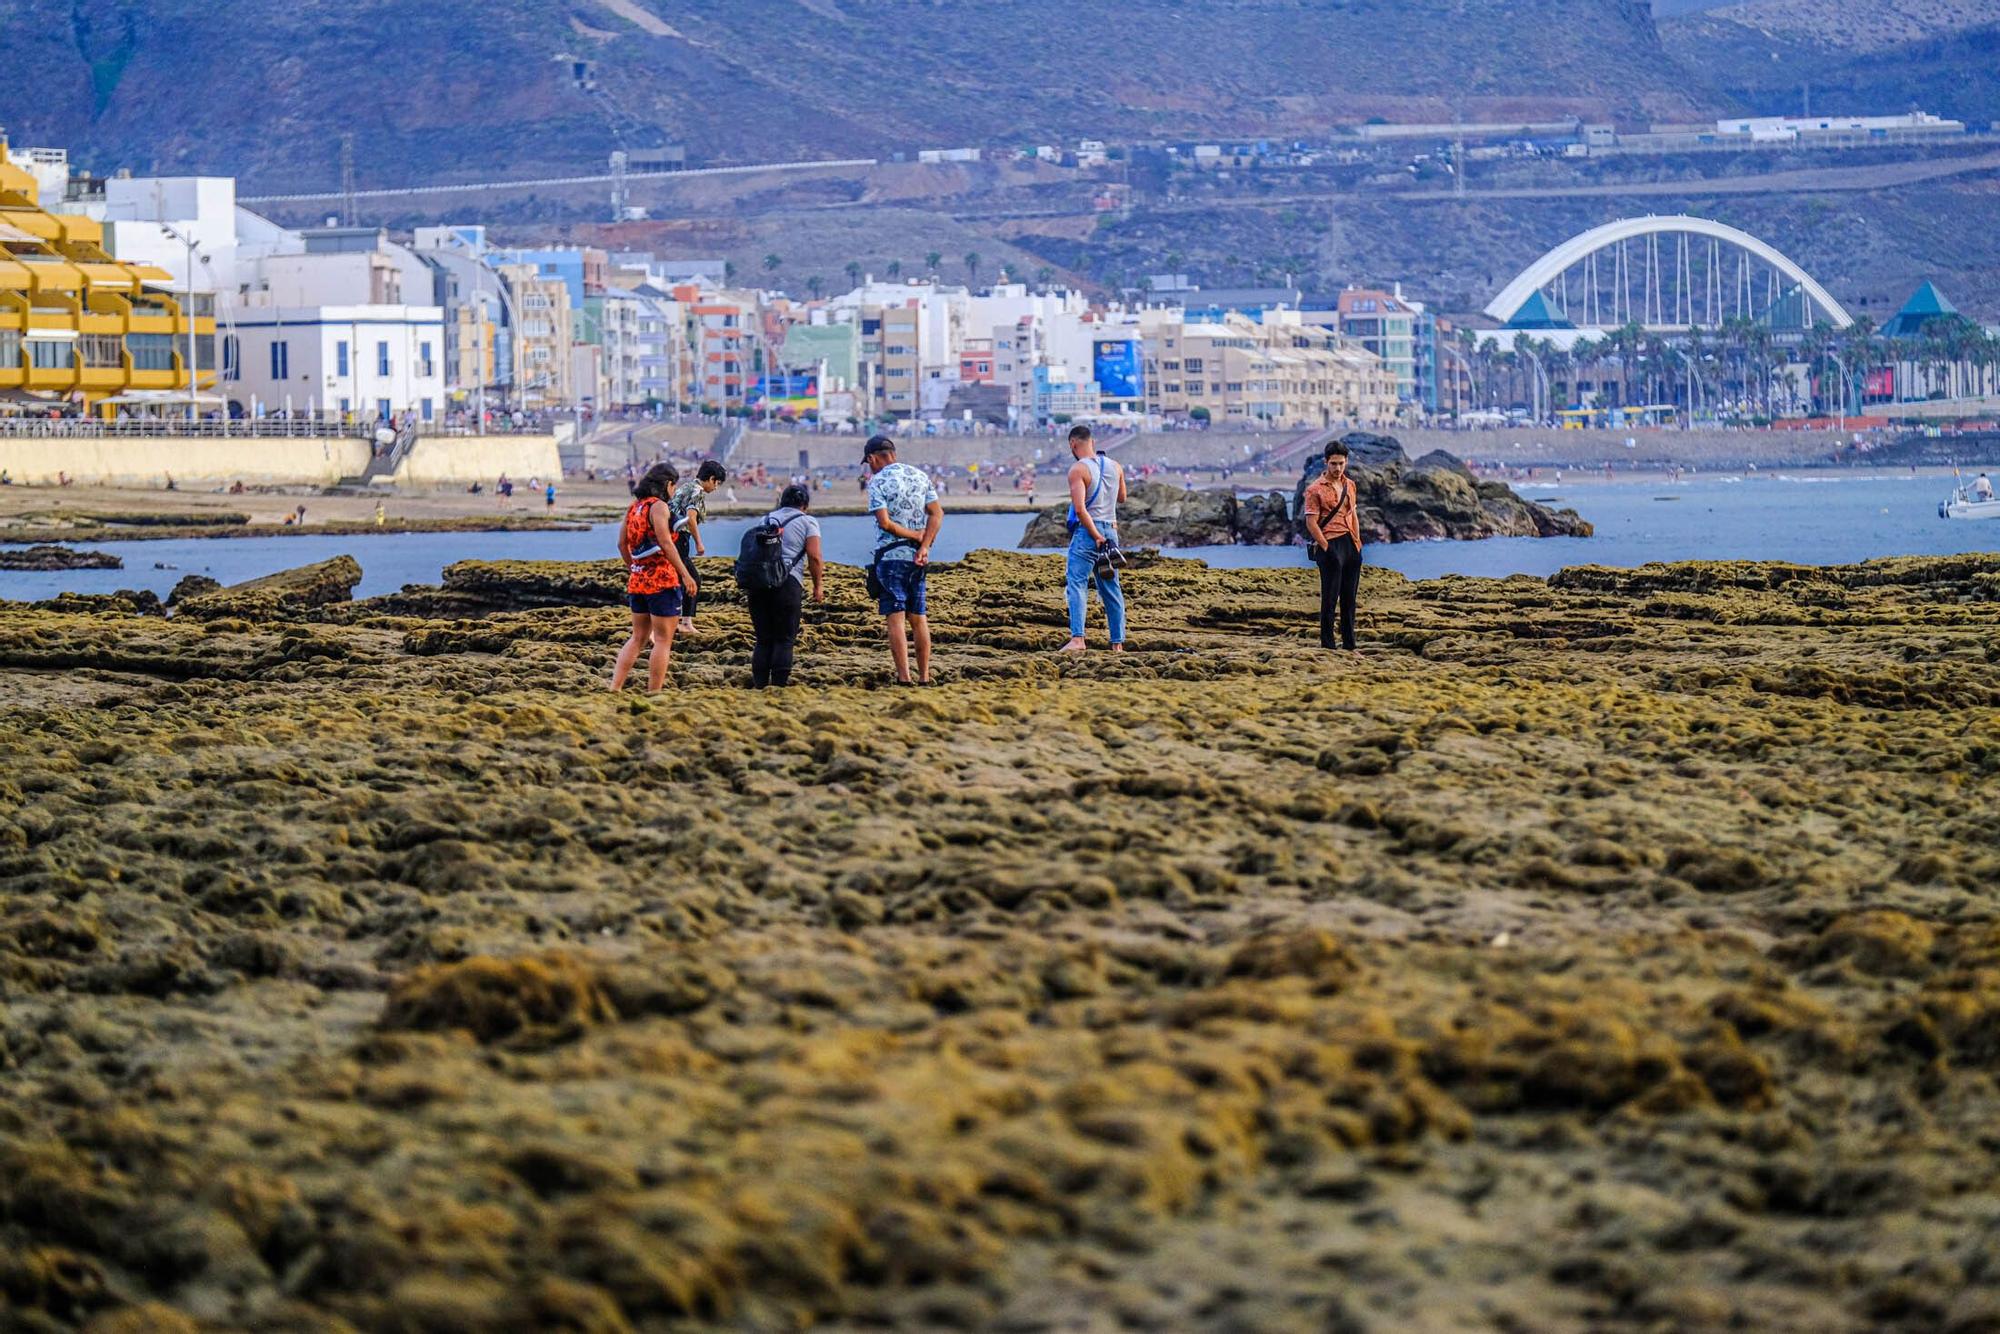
(1673, 272)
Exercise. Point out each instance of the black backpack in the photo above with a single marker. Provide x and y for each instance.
(760, 561)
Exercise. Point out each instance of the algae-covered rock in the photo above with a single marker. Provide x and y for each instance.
(47, 557)
(192, 586)
(124, 602)
(520, 585)
(1578, 954)
(288, 593)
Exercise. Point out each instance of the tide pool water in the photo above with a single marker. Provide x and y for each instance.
(1807, 519)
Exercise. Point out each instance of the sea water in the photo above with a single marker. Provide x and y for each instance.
(1813, 520)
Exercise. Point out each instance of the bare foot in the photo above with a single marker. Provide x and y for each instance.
(1074, 646)
(1117, 648)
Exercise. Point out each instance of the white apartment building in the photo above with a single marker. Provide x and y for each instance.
(365, 361)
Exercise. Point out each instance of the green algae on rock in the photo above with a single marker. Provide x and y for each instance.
(1617, 949)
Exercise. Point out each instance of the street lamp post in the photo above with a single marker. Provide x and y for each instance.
(187, 313)
(1694, 383)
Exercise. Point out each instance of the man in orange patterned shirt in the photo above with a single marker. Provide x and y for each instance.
(1333, 537)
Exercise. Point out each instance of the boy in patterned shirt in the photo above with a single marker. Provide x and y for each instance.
(689, 508)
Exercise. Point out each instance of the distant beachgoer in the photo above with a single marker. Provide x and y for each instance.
(901, 498)
(1096, 485)
(549, 496)
(172, 487)
(775, 613)
(654, 580)
(1982, 487)
(688, 507)
(1333, 533)
(6, 478)
(381, 516)
(302, 515)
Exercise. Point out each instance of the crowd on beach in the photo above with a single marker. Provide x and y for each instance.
(782, 555)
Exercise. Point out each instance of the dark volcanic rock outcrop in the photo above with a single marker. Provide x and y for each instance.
(57, 558)
(1435, 497)
(1157, 514)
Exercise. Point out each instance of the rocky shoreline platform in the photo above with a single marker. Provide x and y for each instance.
(1618, 950)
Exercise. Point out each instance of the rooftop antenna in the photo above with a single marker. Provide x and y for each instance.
(347, 180)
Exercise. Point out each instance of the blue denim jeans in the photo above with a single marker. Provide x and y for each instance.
(1082, 573)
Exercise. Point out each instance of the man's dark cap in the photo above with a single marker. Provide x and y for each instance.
(878, 444)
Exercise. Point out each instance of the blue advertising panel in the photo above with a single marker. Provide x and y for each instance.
(793, 392)
(1119, 368)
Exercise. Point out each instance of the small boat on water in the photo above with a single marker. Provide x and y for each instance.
(1964, 505)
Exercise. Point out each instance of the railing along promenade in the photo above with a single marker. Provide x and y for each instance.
(242, 428)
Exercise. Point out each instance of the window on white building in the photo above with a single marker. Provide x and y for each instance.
(340, 357)
(381, 358)
(281, 360)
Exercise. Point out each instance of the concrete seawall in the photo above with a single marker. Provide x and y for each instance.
(146, 461)
(437, 460)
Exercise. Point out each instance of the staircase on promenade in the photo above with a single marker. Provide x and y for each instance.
(1289, 454)
(382, 464)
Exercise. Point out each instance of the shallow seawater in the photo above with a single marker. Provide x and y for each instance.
(1810, 520)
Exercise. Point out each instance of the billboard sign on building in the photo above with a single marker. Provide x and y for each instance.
(1119, 368)
(785, 393)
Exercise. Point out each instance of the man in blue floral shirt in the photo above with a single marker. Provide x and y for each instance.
(904, 502)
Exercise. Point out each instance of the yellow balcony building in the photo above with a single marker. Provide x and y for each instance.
(77, 325)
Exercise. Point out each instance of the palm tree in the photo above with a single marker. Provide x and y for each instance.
(772, 263)
(854, 271)
(814, 284)
(1860, 354)
(932, 259)
(729, 270)
(1817, 349)
(972, 265)
(895, 269)
(1044, 276)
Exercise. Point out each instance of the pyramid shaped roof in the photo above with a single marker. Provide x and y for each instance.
(1537, 313)
(1925, 304)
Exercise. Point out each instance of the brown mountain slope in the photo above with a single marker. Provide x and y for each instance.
(488, 89)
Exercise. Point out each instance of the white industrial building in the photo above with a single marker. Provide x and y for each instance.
(368, 361)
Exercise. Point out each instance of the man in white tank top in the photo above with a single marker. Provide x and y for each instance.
(1096, 486)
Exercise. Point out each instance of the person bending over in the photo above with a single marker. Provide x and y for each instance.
(688, 506)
